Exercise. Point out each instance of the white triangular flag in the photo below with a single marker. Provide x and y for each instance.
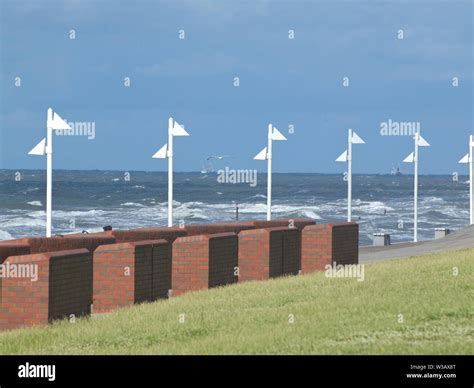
(410, 158)
(277, 135)
(422, 142)
(262, 155)
(178, 130)
(40, 149)
(342, 157)
(58, 122)
(356, 139)
(465, 159)
(161, 153)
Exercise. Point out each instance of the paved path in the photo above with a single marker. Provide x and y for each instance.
(460, 239)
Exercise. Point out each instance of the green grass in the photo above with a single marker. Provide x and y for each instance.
(332, 316)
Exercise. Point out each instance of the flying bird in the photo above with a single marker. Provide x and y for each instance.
(218, 157)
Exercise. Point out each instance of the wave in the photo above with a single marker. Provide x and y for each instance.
(132, 204)
(35, 203)
(371, 207)
(431, 200)
(4, 235)
(24, 222)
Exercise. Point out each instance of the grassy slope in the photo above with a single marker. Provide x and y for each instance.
(332, 316)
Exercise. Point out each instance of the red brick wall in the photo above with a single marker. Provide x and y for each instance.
(142, 234)
(68, 242)
(204, 261)
(286, 222)
(13, 249)
(236, 227)
(328, 243)
(63, 288)
(224, 227)
(132, 272)
(267, 253)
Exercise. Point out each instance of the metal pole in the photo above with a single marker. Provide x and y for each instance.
(49, 174)
(349, 177)
(170, 172)
(415, 232)
(269, 173)
(471, 183)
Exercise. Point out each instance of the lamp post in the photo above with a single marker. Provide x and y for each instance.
(414, 158)
(45, 147)
(174, 129)
(468, 159)
(266, 154)
(346, 156)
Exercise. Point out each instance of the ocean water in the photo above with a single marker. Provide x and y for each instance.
(89, 200)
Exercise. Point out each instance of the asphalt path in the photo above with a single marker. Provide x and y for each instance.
(460, 239)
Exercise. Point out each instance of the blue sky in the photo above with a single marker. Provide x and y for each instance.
(286, 82)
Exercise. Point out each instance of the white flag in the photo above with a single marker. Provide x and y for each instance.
(277, 135)
(39, 149)
(356, 139)
(422, 142)
(178, 130)
(465, 159)
(161, 153)
(342, 157)
(262, 155)
(410, 158)
(58, 122)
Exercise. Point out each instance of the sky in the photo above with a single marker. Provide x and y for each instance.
(292, 83)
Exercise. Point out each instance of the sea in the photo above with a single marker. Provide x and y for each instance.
(90, 200)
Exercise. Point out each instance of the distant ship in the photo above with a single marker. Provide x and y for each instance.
(396, 171)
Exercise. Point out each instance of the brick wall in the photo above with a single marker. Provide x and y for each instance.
(13, 249)
(223, 227)
(68, 242)
(129, 273)
(160, 259)
(285, 222)
(268, 253)
(237, 227)
(204, 261)
(328, 243)
(63, 288)
(142, 234)
(8, 249)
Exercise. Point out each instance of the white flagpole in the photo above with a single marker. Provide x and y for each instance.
(415, 217)
(468, 158)
(174, 129)
(346, 157)
(471, 176)
(414, 158)
(269, 173)
(266, 154)
(349, 177)
(170, 172)
(45, 147)
(49, 174)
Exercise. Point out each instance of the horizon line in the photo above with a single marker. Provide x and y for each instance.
(215, 172)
